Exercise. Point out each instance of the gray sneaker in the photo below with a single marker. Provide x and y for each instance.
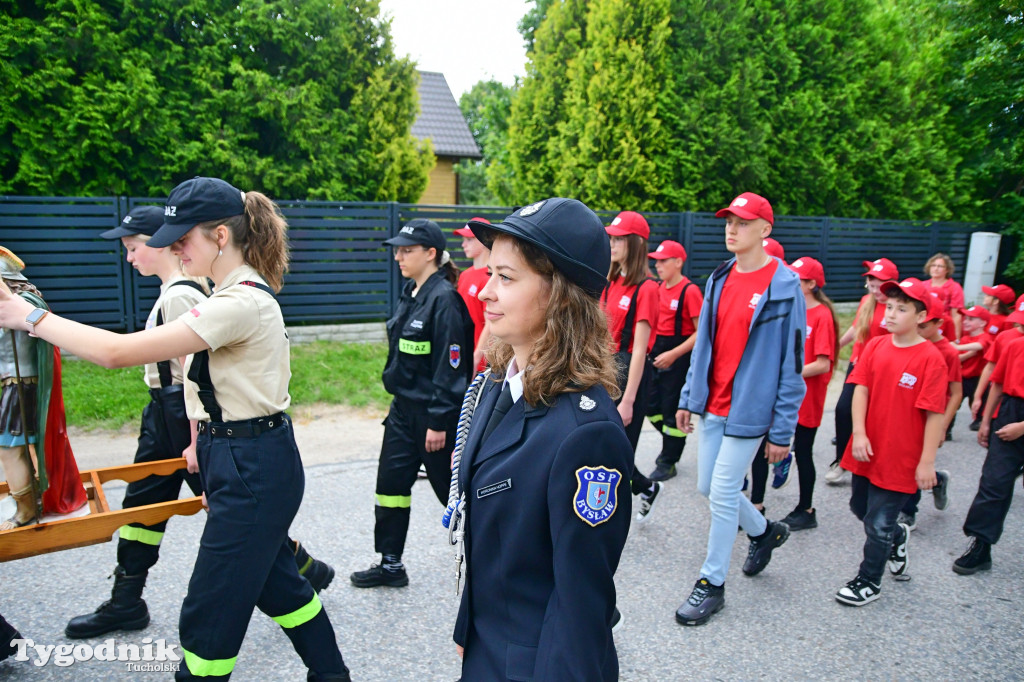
(940, 493)
(705, 601)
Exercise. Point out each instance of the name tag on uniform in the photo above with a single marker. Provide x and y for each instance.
(493, 488)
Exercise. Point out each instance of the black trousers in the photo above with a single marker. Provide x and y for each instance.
(1003, 464)
(663, 401)
(163, 434)
(401, 453)
(638, 482)
(878, 508)
(803, 459)
(254, 488)
(844, 417)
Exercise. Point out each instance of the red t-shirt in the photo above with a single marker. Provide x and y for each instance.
(471, 281)
(973, 365)
(668, 306)
(1009, 371)
(876, 328)
(995, 351)
(615, 302)
(996, 324)
(904, 384)
(821, 340)
(952, 358)
(740, 295)
(950, 293)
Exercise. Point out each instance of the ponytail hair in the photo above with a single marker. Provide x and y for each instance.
(443, 261)
(261, 234)
(862, 325)
(821, 298)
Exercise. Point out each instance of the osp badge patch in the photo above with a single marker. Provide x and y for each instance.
(454, 355)
(596, 494)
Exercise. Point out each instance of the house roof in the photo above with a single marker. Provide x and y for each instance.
(441, 120)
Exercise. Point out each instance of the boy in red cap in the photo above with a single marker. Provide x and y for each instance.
(992, 355)
(998, 300)
(744, 380)
(1004, 438)
(471, 283)
(931, 330)
(898, 407)
(679, 302)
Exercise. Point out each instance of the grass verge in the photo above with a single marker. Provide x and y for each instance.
(322, 372)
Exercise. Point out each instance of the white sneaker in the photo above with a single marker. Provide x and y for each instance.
(835, 474)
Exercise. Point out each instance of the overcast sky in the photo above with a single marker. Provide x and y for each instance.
(466, 40)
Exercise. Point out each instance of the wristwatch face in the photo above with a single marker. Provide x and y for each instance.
(35, 316)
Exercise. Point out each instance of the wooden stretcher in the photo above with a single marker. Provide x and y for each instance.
(101, 522)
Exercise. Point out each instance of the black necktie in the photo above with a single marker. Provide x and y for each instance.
(503, 405)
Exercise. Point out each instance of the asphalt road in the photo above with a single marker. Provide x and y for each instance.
(783, 624)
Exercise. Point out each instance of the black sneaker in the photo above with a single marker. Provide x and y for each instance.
(378, 576)
(760, 551)
(978, 557)
(898, 560)
(858, 592)
(800, 519)
(705, 601)
(643, 512)
(318, 573)
(662, 472)
(975, 425)
(940, 493)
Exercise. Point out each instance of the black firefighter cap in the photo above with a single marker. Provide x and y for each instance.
(140, 220)
(571, 235)
(197, 201)
(419, 231)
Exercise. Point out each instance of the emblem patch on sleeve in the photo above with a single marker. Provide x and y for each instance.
(454, 355)
(596, 494)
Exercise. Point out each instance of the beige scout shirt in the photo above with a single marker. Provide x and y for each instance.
(249, 353)
(173, 301)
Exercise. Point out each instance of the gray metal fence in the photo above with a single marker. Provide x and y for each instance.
(340, 272)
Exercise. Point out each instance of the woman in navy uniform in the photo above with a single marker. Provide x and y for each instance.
(237, 390)
(545, 468)
(430, 362)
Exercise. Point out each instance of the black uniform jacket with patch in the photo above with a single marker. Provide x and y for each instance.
(430, 350)
(540, 592)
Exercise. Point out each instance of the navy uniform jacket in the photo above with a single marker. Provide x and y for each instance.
(540, 591)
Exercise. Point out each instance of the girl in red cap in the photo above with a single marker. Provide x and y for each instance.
(869, 323)
(998, 300)
(631, 303)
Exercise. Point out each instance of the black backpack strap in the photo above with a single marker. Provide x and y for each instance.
(163, 367)
(679, 309)
(199, 372)
(626, 338)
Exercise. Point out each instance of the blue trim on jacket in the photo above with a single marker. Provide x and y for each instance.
(767, 389)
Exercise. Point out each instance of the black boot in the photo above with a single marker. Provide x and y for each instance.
(7, 636)
(125, 610)
(671, 452)
(315, 571)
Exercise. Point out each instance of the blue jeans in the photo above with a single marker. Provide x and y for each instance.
(878, 509)
(722, 462)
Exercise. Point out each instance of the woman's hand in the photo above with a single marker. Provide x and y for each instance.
(435, 440)
(13, 310)
(625, 409)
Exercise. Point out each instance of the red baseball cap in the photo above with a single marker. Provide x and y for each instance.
(914, 289)
(749, 206)
(468, 233)
(883, 269)
(1002, 292)
(668, 249)
(629, 222)
(978, 311)
(773, 248)
(1017, 316)
(808, 268)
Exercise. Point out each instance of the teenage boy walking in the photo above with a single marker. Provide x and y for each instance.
(752, 323)
(898, 404)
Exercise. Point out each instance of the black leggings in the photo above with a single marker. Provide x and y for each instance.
(638, 482)
(844, 417)
(803, 454)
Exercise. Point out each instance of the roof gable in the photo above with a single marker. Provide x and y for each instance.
(441, 120)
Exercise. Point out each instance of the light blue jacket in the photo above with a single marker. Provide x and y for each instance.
(768, 389)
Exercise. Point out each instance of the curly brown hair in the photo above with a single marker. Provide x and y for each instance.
(573, 352)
